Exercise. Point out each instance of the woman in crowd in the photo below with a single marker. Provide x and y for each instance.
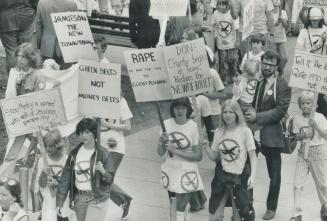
(233, 142)
(10, 201)
(179, 147)
(87, 176)
(23, 79)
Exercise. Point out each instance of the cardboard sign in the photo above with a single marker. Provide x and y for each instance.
(159, 8)
(42, 110)
(74, 36)
(148, 74)
(188, 68)
(248, 19)
(309, 72)
(99, 89)
(315, 3)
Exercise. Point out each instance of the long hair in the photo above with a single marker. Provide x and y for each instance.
(238, 112)
(33, 57)
(183, 101)
(87, 124)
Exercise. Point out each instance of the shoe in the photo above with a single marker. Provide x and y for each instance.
(270, 214)
(194, 210)
(125, 207)
(296, 218)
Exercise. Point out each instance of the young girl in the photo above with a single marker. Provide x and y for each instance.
(245, 84)
(313, 37)
(49, 176)
(279, 31)
(233, 142)
(225, 35)
(314, 132)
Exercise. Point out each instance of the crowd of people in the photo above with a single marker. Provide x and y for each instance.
(76, 182)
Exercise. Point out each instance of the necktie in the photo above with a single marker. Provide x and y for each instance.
(261, 93)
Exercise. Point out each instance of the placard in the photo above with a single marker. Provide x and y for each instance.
(148, 74)
(315, 3)
(28, 113)
(188, 68)
(74, 36)
(309, 72)
(159, 8)
(99, 89)
(248, 19)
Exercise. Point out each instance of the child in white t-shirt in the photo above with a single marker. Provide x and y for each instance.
(279, 31)
(313, 132)
(225, 31)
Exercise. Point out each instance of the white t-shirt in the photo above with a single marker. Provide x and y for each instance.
(225, 29)
(299, 121)
(203, 105)
(82, 169)
(310, 39)
(217, 85)
(279, 31)
(256, 57)
(21, 213)
(245, 90)
(260, 17)
(233, 147)
(125, 114)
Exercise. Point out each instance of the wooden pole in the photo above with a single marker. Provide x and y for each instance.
(312, 115)
(23, 180)
(189, 12)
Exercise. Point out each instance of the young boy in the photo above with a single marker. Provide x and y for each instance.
(257, 43)
(279, 31)
(225, 36)
(313, 132)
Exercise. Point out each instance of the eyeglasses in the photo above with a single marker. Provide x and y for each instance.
(8, 181)
(268, 64)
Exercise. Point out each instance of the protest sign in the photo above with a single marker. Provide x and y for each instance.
(74, 36)
(248, 19)
(99, 89)
(42, 110)
(315, 3)
(188, 68)
(160, 8)
(148, 74)
(309, 72)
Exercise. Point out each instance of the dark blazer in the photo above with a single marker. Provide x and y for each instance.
(144, 29)
(46, 36)
(273, 109)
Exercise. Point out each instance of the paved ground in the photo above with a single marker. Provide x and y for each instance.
(139, 175)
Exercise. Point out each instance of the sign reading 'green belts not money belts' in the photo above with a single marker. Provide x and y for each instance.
(28, 113)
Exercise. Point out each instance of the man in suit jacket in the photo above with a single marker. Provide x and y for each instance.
(271, 102)
(46, 36)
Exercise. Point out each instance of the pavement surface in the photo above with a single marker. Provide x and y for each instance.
(139, 175)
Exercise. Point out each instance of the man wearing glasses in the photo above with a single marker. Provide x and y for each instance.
(271, 102)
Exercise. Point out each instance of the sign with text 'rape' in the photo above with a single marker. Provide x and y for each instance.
(309, 72)
(160, 8)
(188, 68)
(74, 36)
(28, 113)
(99, 89)
(148, 74)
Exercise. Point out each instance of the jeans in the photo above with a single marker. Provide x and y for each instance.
(87, 209)
(11, 40)
(274, 165)
(117, 195)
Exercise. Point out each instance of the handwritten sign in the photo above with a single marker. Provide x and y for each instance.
(32, 112)
(74, 36)
(99, 89)
(315, 3)
(159, 8)
(188, 68)
(248, 19)
(148, 74)
(309, 72)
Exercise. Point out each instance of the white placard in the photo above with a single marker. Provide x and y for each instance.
(99, 89)
(160, 8)
(28, 113)
(315, 3)
(74, 36)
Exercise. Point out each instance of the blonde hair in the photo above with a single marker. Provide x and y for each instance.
(305, 94)
(52, 137)
(250, 64)
(237, 110)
